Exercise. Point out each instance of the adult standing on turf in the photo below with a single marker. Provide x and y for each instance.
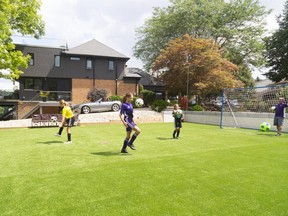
(280, 115)
(68, 118)
(178, 118)
(126, 116)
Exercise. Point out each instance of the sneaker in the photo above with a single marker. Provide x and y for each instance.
(57, 135)
(278, 134)
(68, 142)
(131, 146)
(124, 151)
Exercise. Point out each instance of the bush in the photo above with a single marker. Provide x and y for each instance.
(96, 93)
(115, 98)
(148, 97)
(196, 108)
(159, 105)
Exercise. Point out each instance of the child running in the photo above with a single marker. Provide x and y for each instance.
(68, 118)
(178, 118)
(126, 116)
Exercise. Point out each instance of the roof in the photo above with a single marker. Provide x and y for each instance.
(146, 78)
(42, 42)
(95, 48)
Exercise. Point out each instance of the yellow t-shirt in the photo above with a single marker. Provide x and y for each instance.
(67, 112)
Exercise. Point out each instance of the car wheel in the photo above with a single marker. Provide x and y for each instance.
(115, 107)
(85, 110)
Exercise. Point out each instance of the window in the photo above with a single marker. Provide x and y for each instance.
(28, 83)
(31, 61)
(57, 61)
(88, 63)
(75, 58)
(111, 65)
(36, 83)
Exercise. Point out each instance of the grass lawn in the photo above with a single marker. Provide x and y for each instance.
(208, 171)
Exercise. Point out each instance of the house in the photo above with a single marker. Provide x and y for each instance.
(70, 73)
(148, 81)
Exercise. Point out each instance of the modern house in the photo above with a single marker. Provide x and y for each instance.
(70, 73)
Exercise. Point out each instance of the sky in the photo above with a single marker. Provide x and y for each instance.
(112, 22)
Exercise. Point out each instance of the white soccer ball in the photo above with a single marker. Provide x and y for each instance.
(139, 102)
(53, 119)
(273, 108)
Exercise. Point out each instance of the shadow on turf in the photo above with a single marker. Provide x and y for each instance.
(269, 135)
(49, 142)
(164, 138)
(109, 153)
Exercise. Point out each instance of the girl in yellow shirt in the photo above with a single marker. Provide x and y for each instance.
(68, 118)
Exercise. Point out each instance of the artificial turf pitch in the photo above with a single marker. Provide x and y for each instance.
(208, 171)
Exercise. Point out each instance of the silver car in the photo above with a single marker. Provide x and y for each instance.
(97, 106)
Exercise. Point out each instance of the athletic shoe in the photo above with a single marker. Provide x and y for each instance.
(68, 142)
(57, 135)
(131, 146)
(124, 151)
(278, 134)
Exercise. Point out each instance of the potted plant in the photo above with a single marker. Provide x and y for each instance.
(44, 95)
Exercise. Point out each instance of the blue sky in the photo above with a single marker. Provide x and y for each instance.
(111, 22)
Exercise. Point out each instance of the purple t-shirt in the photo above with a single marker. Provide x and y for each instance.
(280, 110)
(127, 111)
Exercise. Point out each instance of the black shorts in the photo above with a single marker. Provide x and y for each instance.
(178, 123)
(70, 121)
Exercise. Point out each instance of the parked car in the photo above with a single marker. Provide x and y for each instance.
(97, 106)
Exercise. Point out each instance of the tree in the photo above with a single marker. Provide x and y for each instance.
(198, 63)
(17, 16)
(236, 26)
(277, 46)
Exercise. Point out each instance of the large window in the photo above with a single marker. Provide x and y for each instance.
(31, 61)
(57, 61)
(28, 83)
(33, 83)
(88, 63)
(110, 65)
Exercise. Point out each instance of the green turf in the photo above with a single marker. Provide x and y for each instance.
(208, 171)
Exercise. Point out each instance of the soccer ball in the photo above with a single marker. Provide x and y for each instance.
(139, 102)
(265, 126)
(53, 119)
(273, 108)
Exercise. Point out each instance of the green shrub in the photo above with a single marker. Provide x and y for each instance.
(115, 98)
(196, 108)
(159, 105)
(148, 97)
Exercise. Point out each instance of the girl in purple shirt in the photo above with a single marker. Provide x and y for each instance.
(126, 116)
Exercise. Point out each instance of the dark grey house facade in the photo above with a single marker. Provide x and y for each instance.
(71, 73)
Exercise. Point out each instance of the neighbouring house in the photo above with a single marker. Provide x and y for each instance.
(70, 73)
(148, 81)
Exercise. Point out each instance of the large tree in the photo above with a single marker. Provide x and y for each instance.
(17, 16)
(277, 49)
(197, 64)
(237, 26)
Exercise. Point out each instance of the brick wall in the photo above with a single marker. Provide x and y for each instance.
(124, 88)
(80, 88)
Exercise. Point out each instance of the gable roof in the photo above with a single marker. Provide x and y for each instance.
(146, 78)
(95, 48)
